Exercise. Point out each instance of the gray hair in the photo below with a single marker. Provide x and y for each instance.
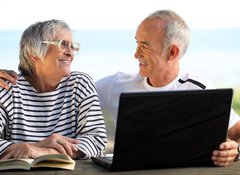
(176, 30)
(31, 42)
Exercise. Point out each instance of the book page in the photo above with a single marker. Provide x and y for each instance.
(16, 164)
(51, 164)
(55, 161)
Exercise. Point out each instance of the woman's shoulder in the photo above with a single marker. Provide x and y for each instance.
(80, 75)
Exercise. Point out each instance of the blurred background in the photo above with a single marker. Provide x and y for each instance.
(106, 31)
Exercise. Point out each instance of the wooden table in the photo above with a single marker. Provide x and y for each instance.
(85, 167)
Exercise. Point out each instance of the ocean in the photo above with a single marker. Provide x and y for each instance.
(213, 54)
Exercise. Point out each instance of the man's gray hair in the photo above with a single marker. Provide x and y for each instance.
(176, 30)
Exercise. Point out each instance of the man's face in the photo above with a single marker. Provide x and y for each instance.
(149, 52)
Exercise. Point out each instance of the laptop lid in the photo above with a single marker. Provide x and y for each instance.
(170, 128)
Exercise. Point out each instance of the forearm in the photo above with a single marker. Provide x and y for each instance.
(92, 134)
(234, 132)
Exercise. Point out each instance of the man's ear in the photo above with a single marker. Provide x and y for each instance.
(173, 52)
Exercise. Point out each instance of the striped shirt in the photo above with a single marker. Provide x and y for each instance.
(72, 110)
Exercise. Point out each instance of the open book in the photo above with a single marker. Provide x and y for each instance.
(61, 161)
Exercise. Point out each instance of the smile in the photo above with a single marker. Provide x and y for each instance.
(65, 61)
(142, 63)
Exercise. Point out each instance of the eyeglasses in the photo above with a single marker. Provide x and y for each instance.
(63, 44)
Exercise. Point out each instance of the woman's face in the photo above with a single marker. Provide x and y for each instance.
(57, 61)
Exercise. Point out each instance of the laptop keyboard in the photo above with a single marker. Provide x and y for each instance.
(108, 157)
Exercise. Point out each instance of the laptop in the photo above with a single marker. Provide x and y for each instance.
(169, 129)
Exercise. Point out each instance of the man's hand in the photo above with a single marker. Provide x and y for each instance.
(226, 154)
(9, 75)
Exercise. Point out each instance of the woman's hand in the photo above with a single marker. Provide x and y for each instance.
(26, 150)
(54, 144)
(60, 143)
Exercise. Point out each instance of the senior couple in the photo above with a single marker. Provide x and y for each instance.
(46, 108)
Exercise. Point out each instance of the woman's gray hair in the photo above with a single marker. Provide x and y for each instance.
(31, 42)
(176, 30)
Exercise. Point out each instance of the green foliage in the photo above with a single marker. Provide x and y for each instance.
(236, 100)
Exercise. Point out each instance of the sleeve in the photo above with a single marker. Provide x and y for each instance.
(234, 118)
(4, 144)
(104, 86)
(91, 129)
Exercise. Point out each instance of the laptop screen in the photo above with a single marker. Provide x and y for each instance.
(170, 129)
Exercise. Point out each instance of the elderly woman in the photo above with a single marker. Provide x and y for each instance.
(50, 109)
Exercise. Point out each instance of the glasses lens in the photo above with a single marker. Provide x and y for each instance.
(74, 46)
(64, 44)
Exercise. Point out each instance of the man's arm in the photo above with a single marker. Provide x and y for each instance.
(9, 75)
(228, 151)
(234, 132)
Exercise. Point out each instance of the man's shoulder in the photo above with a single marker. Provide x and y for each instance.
(127, 76)
(194, 80)
(187, 75)
(119, 77)
(118, 82)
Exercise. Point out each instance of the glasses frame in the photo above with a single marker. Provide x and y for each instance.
(75, 46)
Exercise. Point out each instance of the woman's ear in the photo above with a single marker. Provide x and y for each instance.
(34, 58)
(173, 52)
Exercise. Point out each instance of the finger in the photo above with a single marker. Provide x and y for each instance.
(228, 145)
(71, 140)
(60, 149)
(225, 153)
(11, 76)
(225, 164)
(74, 147)
(222, 161)
(22, 155)
(66, 146)
(25, 156)
(61, 141)
(68, 149)
(59, 146)
(4, 84)
(73, 143)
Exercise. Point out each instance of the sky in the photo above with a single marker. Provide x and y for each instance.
(126, 15)
(117, 15)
